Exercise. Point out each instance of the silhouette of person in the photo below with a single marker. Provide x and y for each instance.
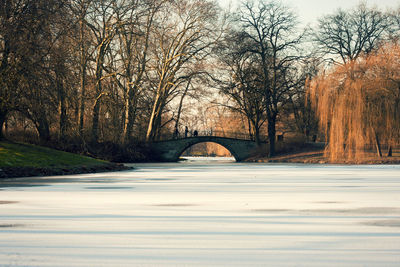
(186, 131)
(195, 133)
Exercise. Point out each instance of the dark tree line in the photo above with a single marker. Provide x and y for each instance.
(101, 69)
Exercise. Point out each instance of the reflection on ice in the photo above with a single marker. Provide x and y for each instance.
(207, 160)
(205, 213)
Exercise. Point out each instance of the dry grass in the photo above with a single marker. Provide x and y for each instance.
(315, 154)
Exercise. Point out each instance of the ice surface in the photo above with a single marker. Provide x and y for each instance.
(205, 213)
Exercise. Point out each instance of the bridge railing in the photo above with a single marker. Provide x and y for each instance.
(226, 134)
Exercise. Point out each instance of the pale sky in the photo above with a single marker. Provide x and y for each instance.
(309, 10)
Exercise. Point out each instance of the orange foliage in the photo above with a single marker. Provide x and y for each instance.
(358, 103)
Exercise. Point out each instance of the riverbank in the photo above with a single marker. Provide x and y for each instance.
(24, 160)
(316, 156)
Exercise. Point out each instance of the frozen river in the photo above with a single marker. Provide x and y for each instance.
(205, 214)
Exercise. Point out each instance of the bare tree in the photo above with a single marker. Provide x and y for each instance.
(345, 35)
(244, 88)
(18, 30)
(185, 35)
(180, 107)
(299, 115)
(135, 27)
(29, 31)
(11, 19)
(80, 10)
(270, 29)
(395, 24)
(103, 25)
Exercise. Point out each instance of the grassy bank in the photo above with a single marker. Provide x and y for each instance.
(18, 160)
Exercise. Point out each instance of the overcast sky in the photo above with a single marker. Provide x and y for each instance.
(309, 10)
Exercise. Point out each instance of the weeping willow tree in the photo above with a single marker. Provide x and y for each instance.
(358, 104)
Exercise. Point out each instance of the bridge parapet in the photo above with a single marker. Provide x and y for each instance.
(210, 133)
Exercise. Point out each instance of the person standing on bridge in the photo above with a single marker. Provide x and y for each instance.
(195, 133)
(186, 131)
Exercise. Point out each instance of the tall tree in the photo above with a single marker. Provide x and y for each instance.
(136, 21)
(299, 115)
(345, 37)
(10, 15)
(103, 25)
(80, 11)
(270, 29)
(15, 21)
(49, 68)
(244, 88)
(186, 33)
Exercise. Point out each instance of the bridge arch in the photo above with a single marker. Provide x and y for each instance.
(171, 150)
(197, 141)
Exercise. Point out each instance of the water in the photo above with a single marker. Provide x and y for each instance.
(205, 213)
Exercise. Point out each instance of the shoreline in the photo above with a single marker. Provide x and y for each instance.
(20, 172)
(305, 157)
(317, 157)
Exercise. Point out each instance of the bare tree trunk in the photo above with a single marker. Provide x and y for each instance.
(257, 135)
(378, 145)
(271, 134)
(99, 90)
(96, 106)
(390, 152)
(250, 128)
(61, 109)
(129, 96)
(151, 126)
(82, 99)
(82, 74)
(3, 116)
(103, 28)
(133, 93)
(130, 115)
(43, 129)
(178, 116)
(126, 132)
(155, 120)
(95, 120)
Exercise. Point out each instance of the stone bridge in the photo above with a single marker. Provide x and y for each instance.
(171, 150)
